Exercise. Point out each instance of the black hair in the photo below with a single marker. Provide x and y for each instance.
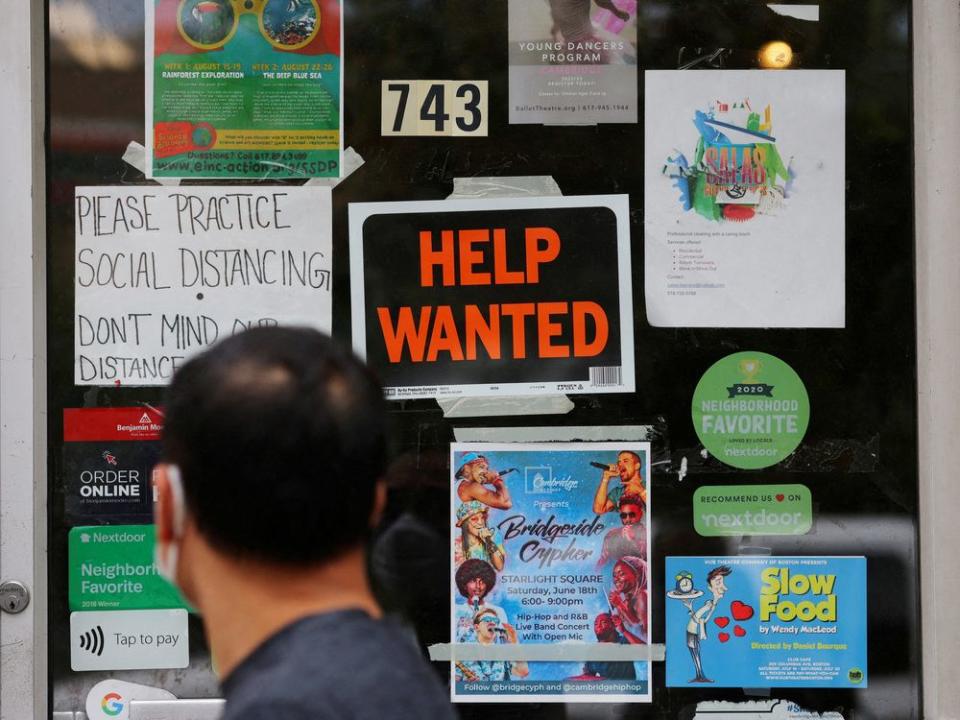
(475, 568)
(280, 436)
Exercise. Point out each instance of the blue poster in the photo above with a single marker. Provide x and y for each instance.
(550, 544)
(766, 622)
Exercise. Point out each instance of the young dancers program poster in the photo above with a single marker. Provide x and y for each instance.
(550, 544)
(573, 62)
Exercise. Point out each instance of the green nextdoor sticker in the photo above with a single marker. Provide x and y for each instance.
(750, 410)
(752, 510)
(111, 568)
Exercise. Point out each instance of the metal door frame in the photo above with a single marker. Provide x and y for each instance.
(23, 376)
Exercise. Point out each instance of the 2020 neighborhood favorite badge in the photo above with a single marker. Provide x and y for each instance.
(750, 410)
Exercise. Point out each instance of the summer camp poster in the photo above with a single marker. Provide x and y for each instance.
(766, 622)
(550, 544)
(478, 298)
(244, 89)
(744, 189)
(573, 62)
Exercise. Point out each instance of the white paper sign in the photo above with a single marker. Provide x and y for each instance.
(744, 198)
(163, 273)
(759, 710)
(129, 640)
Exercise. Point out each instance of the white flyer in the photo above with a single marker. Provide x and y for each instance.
(744, 184)
(162, 273)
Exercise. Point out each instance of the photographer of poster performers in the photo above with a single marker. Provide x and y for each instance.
(274, 445)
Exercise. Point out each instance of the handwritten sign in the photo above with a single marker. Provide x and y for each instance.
(163, 273)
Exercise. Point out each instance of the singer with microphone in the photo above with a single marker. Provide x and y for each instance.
(475, 475)
(477, 541)
(475, 579)
(627, 467)
(489, 629)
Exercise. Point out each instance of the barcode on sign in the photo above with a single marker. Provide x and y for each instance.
(605, 376)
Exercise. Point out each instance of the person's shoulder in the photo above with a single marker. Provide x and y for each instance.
(344, 663)
(270, 708)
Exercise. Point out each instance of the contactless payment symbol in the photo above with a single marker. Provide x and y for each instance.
(750, 410)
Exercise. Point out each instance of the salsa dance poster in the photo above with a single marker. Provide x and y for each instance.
(524, 296)
(744, 188)
(766, 622)
(245, 89)
(550, 544)
(573, 62)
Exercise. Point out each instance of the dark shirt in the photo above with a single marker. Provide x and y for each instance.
(336, 666)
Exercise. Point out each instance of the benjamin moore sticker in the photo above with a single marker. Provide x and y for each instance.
(750, 410)
(108, 460)
(129, 640)
(112, 568)
(752, 510)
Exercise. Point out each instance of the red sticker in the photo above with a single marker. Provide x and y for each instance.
(724, 637)
(722, 621)
(739, 631)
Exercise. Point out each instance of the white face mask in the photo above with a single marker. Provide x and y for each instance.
(166, 554)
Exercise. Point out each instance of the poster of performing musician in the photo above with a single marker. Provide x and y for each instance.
(550, 545)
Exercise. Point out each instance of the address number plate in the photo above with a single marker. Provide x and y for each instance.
(434, 108)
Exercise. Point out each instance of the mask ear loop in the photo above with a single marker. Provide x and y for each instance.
(175, 483)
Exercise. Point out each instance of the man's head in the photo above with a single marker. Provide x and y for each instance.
(604, 628)
(279, 437)
(715, 580)
(486, 624)
(475, 578)
(631, 509)
(628, 465)
(474, 468)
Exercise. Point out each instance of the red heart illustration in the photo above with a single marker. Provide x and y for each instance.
(739, 631)
(780, 497)
(724, 637)
(722, 621)
(741, 611)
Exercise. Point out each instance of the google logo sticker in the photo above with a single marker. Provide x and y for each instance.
(112, 704)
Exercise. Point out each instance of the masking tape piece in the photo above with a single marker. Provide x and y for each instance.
(758, 710)
(468, 188)
(136, 157)
(800, 12)
(592, 433)
(483, 187)
(561, 652)
(494, 406)
(350, 162)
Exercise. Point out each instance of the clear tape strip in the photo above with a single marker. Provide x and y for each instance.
(565, 652)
